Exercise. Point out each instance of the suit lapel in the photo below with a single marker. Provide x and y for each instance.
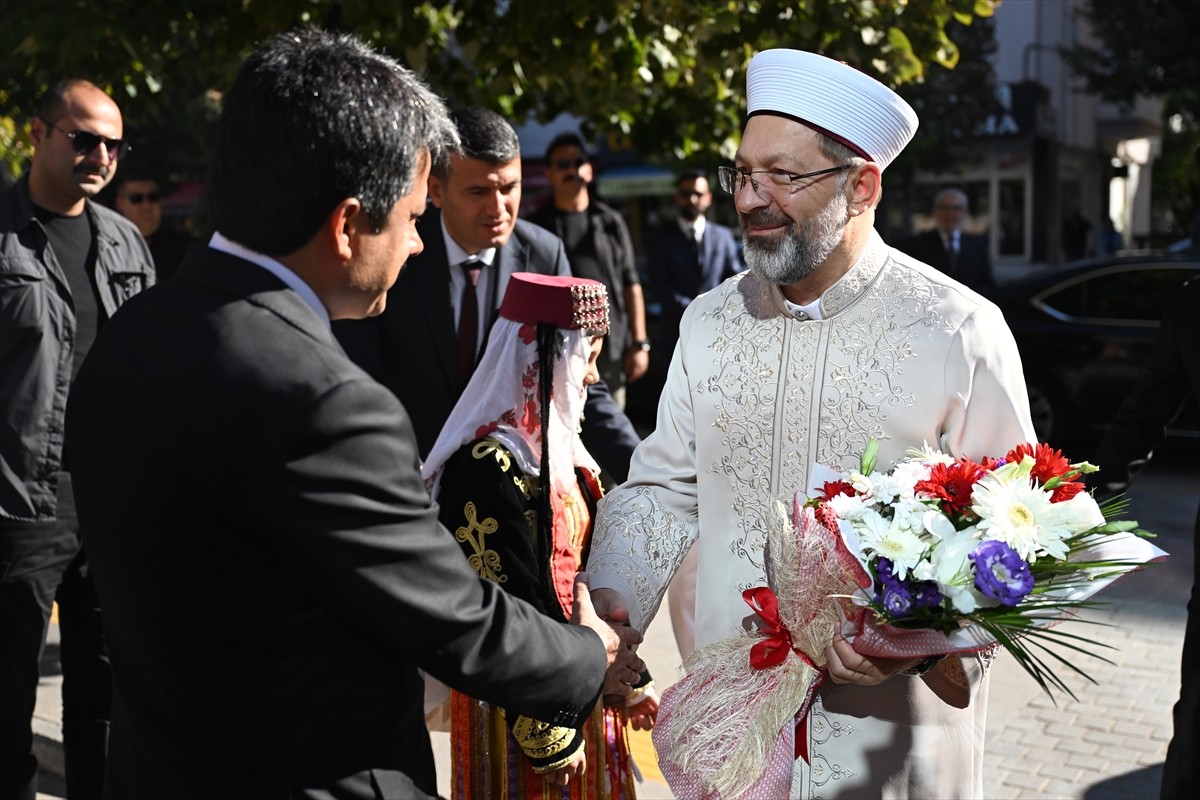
(512, 257)
(431, 284)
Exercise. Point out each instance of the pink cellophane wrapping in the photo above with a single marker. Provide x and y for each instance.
(727, 729)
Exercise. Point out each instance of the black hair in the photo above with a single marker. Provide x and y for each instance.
(689, 175)
(548, 347)
(314, 118)
(566, 139)
(483, 135)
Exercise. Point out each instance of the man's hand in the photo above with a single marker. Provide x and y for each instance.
(574, 769)
(637, 362)
(610, 605)
(624, 666)
(847, 666)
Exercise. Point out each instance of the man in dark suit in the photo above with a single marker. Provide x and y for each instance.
(259, 530)
(415, 347)
(947, 248)
(688, 255)
(1170, 380)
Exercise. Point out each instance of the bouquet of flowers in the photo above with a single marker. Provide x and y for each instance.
(937, 555)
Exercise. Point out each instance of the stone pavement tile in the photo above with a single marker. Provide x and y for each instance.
(1026, 781)
(1063, 730)
(1087, 762)
(1005, 748)
(1074, 747)
(1061, 772)
(1104, 739)
(1134, 731)
(1060, 789)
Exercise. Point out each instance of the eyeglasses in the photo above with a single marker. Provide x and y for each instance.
(137, 197)
(83, 142)
(733, 179)
(566, 163)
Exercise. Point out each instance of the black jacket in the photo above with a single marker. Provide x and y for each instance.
(269, 561)
(37, 331)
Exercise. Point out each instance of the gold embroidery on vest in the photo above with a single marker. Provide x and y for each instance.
(540, 739)
(485, 562)
(490, 447)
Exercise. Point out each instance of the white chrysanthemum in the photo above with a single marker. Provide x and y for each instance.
(849, 507)
(883, 537)
(897, 485)
(909, 515)
(950, 567)
(1014, 510)
(929, 455)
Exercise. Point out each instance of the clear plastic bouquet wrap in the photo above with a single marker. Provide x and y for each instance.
(937, 555)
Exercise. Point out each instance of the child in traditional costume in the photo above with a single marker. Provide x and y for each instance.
(513, 433)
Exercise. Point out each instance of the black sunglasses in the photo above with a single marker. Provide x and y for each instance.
(137, 197)
(83, 142)
(566, 163)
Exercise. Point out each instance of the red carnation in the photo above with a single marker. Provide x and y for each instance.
(952, 484)
(832, 489)
(1048, 463)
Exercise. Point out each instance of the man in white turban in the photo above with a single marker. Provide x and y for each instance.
(831, 339)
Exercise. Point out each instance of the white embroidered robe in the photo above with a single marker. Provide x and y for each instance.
(754, 396)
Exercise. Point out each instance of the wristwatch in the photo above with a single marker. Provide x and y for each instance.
(641, 344)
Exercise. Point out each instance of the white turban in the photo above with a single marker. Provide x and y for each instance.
(832, 98)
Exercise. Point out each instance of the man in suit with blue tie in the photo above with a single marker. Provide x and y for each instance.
(948, 248)
(689, 255)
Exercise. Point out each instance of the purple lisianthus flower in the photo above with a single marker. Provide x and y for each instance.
(1000, 573)
(884, 572)
(885, 579)
(926, 595)
(897, 600)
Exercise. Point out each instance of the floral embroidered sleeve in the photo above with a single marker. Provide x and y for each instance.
(490, 506)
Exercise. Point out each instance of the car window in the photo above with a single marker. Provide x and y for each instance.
(1136, 294)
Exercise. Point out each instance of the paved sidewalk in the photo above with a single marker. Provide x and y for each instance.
(1107, 745)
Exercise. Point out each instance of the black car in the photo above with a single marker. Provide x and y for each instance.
(1084, 330)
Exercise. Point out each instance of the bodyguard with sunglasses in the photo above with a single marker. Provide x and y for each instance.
(139, 198)
(66, 265)
(598, 247)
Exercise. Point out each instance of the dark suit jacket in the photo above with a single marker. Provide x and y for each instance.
(269, 561)
(1170, 378)
(679, 273)
(410, 347)
(973, 266)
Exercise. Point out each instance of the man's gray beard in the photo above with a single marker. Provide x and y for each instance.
(800, 252)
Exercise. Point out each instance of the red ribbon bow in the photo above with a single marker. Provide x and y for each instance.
(773, 649)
